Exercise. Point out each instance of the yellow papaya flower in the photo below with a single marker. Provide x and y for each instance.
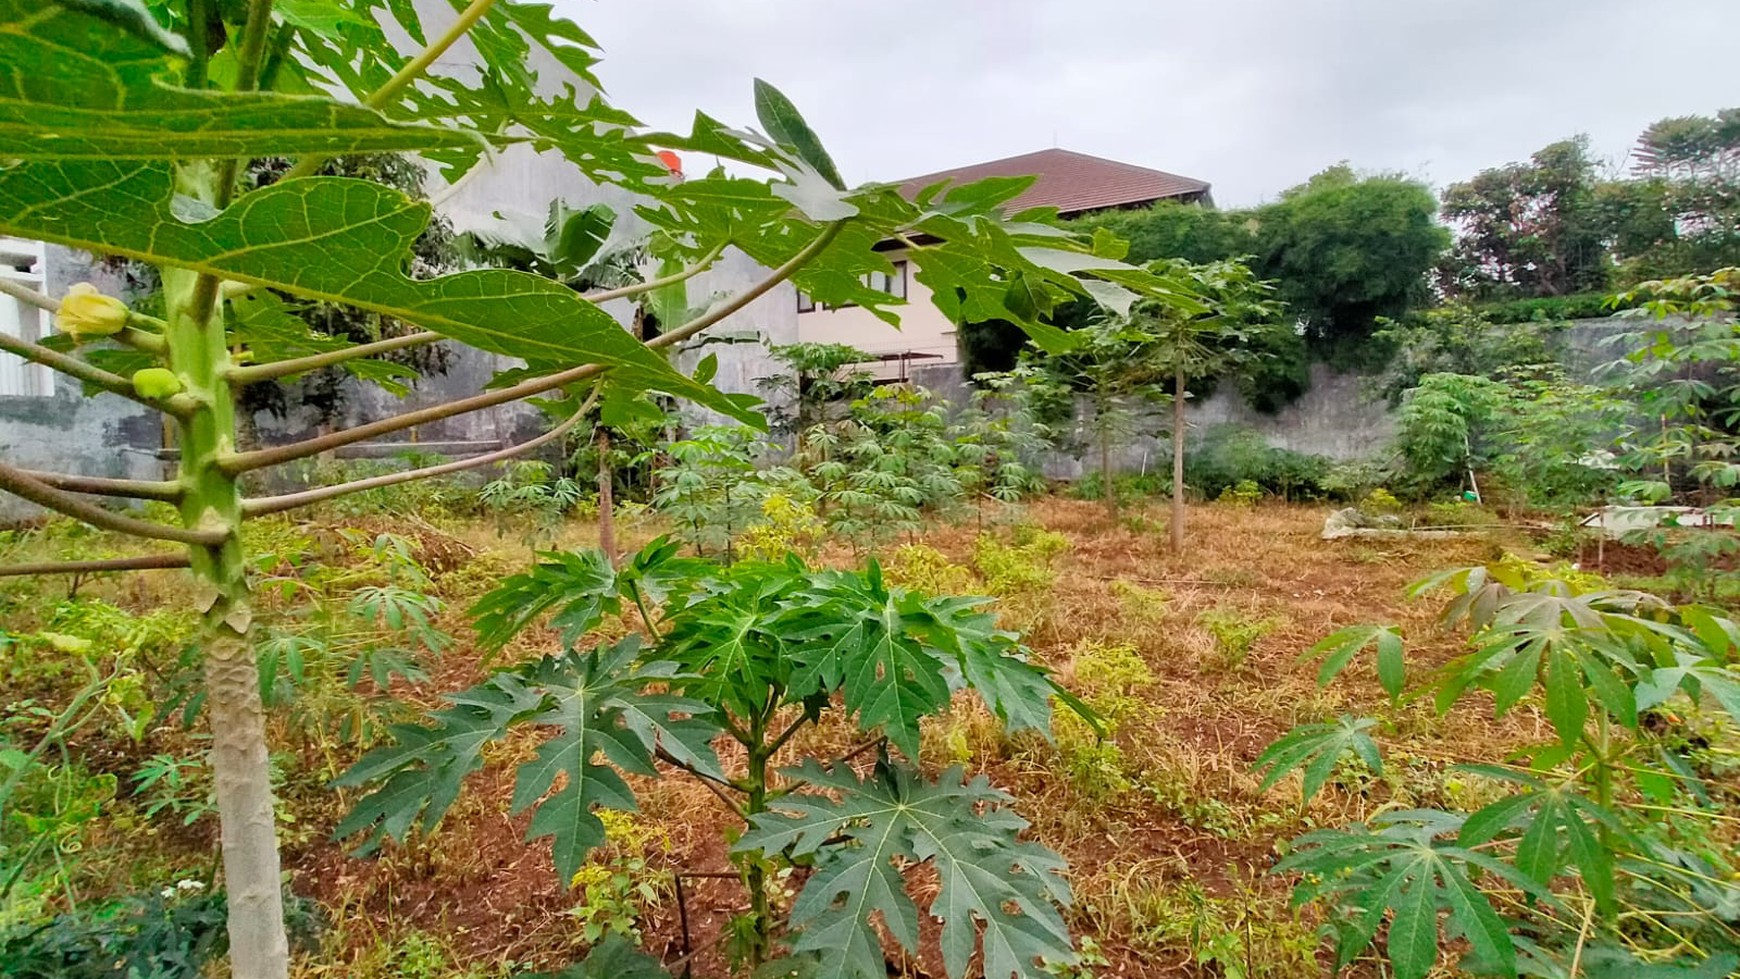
(85, 312)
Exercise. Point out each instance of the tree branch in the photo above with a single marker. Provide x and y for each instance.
(179, 406)
(277, 504)
(19, 483)
(259, 458)
(255, 373)
(406, 75)
(138, 489)
(635, 289)
(150, 562)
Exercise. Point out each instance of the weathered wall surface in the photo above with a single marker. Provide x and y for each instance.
(1341, 417)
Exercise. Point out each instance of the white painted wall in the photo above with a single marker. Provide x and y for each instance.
(923, 328)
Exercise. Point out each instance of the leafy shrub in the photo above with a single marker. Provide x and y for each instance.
(1244, 493)
(1108, 676)
(534, 490)
(924, 568)
(1234, 632)
(617, 885)
(1380, 500)
(787, 526)
(1625, 858)
(756, 652)
(1020, 573)
(172, 934)
(1228, 455)
(1130, 487)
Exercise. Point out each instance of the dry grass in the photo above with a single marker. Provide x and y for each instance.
(1189, 819)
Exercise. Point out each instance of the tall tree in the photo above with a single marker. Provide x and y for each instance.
(1528, 229)
(1345, 249)
(1680, 213)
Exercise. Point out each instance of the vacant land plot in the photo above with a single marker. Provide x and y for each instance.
(1191, 660)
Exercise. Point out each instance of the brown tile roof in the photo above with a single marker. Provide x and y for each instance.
(1070, 182)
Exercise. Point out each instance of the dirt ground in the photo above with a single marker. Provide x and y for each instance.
(1172, 854)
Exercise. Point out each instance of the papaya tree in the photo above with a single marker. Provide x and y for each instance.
(1216, 337)
(128, 138)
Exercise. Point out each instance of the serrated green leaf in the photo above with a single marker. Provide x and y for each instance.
(131, 16)
(1318, 748)
(1566, 702)
(998, 895)
(96, 93)
(337, 240)
(605, 721)
(786, 125)
(614, 957)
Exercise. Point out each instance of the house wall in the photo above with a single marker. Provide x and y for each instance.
(923, 328)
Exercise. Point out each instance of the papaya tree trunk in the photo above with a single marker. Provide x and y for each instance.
(1178, 459)
(1107, 490)
(199, 356)
(606, 498)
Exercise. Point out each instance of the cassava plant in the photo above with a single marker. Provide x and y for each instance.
(759, 653)
(129, 137)
(1607, 852)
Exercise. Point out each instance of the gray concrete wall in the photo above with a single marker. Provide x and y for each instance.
(1340, 417)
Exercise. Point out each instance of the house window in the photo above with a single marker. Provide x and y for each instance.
(893, 283)
(21, 262)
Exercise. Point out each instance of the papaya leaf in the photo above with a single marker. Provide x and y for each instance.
(93, 93)
(786, 125)
(420, 772)
(581, 585)
(605, 721)
(614, 957)
(998, 894)
(331, 239)
(1318, 748)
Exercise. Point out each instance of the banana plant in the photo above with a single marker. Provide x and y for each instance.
(1607, 852)
(760, 653)
(127, 138)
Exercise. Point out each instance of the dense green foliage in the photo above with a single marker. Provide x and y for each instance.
(1605, 851)
(1343, 249)
(757, 652)
(1555, 226)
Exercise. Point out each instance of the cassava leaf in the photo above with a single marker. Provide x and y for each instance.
(1318, 748)
(1555, 827)
(997, 895)
(333, 239)
(1339, 648)
(1403, 866)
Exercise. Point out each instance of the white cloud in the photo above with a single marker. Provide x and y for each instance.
(1252, 95)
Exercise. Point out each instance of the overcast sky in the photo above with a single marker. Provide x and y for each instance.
(1251, 95)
